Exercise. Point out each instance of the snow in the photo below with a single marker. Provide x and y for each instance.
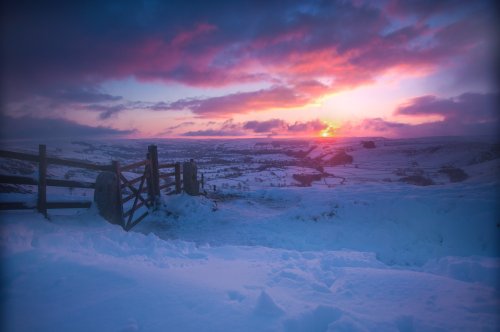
(366, 255)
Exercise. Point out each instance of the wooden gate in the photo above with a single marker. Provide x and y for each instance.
(144, 190)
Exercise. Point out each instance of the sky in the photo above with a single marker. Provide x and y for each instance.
(197, 69)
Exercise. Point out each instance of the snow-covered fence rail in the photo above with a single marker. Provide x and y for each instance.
(116, 194)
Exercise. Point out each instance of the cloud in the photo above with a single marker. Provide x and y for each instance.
(422, 8)
(264, 126)
(309, 126)
(213, 133)
(242, 102)
(80, 95)
(466, 114)
(275, 97)
(37, 128)
(467, 108)
(62, 53)
(182, 124)
(380, 127)
(50, 102)
(201, 44)
(171, 130)
(106, 111)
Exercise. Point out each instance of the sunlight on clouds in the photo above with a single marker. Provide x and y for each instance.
(330, 130)
(379, 99)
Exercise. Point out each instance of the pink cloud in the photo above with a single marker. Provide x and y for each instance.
(186, 37)
(274, 127)
(313, 126)
(265, 126)
(243, 102)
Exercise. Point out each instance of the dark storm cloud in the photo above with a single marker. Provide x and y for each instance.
(38, 128)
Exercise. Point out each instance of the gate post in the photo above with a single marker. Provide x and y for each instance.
(42, 180)
(178, 178)
(190, 178)
(108, 197)
(154, 190)
(119, 203)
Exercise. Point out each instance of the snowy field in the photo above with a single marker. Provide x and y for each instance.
(292, 235)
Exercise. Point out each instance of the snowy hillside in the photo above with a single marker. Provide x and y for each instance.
(321, 235)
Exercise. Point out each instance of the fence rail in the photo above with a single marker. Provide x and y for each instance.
(19, 156)
(134, 165)
(42, 182)
(54, 160)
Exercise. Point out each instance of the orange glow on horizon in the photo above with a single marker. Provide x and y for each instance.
(330, 129)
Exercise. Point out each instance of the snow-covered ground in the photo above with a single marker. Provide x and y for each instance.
(365, 247)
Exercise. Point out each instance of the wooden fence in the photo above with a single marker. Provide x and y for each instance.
(147, 194)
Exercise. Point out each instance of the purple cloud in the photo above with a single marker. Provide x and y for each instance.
(467, 108)
(106, 111)
(36, 128)
(314, 125)
(80, 95)
(466, 114)
(264, 126)
(242, 102)
(267, 127)
(214, 133)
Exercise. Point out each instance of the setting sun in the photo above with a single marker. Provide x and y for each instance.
(329, 130)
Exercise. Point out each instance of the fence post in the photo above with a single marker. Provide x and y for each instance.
(177, 178)
(42, 180)
(148, 173)
(119, 204)
(155, 174)
(190, 178)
